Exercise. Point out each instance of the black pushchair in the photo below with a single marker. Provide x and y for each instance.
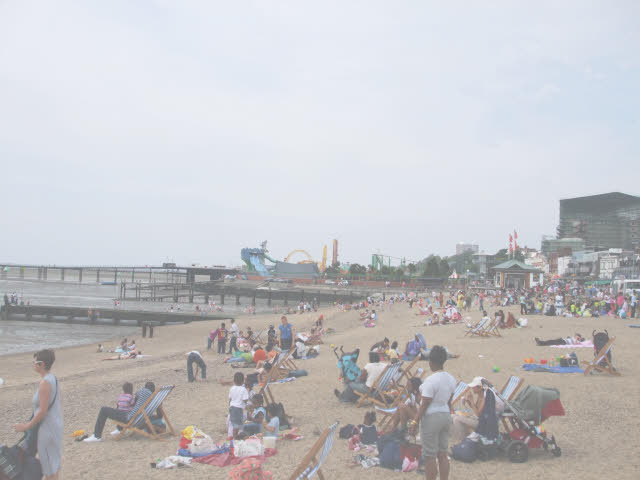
(525, 415)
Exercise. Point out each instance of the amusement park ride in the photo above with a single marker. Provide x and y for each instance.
(254, 258)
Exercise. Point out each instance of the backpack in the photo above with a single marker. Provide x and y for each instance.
(348, 431)
(465, 451)
(390, 457)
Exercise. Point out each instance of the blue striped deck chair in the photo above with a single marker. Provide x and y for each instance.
(601, 361)
(511, 387)
(479, 327)
(313, 460)
(508, 392)
(141, 418)
(377, 394)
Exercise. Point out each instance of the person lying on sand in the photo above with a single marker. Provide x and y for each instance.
(577, 338)
(124, 356)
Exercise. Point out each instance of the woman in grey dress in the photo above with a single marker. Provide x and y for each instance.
(47, 412)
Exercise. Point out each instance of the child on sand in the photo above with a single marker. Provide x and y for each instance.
(125, 402)
(222, 339)
(272, 427)
(238, 397)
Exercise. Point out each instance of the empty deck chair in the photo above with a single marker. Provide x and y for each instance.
(508, 392)
(478, 328)
(601, 361)
(511, 387)
(492, 329)
(377, 394)
(313, 460)
(141, 418)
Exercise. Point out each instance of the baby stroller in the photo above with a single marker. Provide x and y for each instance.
(347, 364)
(525, 415)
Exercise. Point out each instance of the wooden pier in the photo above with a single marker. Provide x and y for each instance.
(220, 291)
(81, 315)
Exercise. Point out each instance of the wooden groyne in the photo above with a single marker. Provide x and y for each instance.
(82, 315)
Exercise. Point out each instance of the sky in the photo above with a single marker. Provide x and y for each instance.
(137, 132)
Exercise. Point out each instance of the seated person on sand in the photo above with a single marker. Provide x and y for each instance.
(256, 414)
(464, 423)
(365, 381)
(412, 350)
(408, 409)
(575, 340)
(106, 413)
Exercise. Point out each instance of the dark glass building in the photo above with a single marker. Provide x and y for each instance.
(610, 220)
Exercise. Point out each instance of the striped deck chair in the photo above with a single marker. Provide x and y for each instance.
(478, 328)
(311, 463)
(285, 361)
(265, 391)
(378, 393)
(508, 392)
(389, 413)
(492, 329)
(511, 387)
(601, 361)
(141, 419)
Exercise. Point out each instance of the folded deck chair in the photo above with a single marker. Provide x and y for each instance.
(601, 361)
(313, 460)
(141, 418)
(378, 392)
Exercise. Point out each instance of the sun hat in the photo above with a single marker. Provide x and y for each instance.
(476, 382)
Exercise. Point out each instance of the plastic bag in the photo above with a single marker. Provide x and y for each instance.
(201, 443)
(250, 447)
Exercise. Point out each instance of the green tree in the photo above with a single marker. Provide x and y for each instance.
(412, 268)
(444, 269)
(332, 271)
(357, 269)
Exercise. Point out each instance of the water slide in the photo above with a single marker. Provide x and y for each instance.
(259, 266)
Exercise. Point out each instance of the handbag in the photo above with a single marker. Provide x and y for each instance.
(31, 435)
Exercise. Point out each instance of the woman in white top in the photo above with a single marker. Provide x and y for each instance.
(434, 416)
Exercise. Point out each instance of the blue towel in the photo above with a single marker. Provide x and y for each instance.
(533, 367)
(633, 325)
(183, 452)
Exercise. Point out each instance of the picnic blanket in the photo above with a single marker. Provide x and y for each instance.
(534, 367)
(585, 344)
(227, 458)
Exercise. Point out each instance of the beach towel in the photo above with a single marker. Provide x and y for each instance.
(534, 367)
(585, 344)
(225, 459)
(630, 325)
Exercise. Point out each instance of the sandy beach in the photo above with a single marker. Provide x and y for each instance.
(598, 436)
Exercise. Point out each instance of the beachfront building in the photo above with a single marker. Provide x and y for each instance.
(515, 274)
(561, 246)
(610, 220)
(462, 248)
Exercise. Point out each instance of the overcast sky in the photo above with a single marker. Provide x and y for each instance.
(132, 132)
